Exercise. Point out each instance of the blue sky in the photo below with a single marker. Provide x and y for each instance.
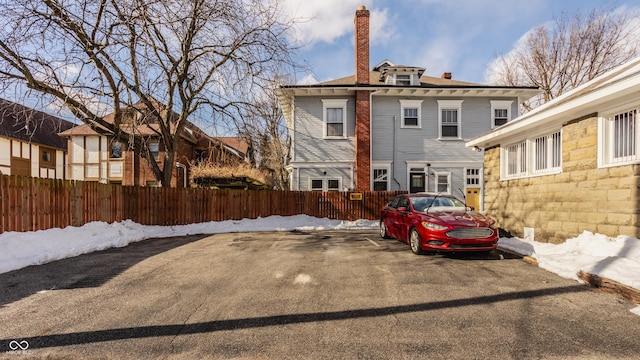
(458, 36)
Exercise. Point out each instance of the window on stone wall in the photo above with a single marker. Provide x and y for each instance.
(537, 155)
(547, 153)
(620, 138)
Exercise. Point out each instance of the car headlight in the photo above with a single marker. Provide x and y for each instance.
(432, 226)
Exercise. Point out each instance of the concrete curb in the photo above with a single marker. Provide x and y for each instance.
(594, 281)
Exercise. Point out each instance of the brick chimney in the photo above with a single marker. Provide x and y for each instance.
(363, 107)
(362, 45)
(446, 75)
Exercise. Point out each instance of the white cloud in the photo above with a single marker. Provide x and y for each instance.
(328, 20)
(308, 80)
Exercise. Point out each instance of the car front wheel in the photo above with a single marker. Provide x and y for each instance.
(383, 230)
(415, 242)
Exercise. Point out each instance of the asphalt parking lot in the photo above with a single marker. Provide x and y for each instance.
(304, 295)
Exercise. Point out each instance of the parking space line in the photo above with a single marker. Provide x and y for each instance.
(373, 242)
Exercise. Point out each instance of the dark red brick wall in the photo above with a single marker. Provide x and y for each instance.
(362, 45)
(363, 143)
(363, 148)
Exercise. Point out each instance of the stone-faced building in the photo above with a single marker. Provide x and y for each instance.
(570, 165)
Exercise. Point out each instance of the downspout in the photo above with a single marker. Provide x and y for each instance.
(393, 164)
(370, 138)
(184, 171)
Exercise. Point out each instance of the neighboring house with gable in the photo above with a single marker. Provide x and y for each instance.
(392, 127)
(570, 165)
(30, 144)
(95, 157)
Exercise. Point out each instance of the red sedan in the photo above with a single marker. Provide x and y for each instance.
(437, 222)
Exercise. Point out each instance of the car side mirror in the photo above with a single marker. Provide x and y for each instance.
(402, 209)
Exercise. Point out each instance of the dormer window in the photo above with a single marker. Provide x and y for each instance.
(403, 79)
(399, 75)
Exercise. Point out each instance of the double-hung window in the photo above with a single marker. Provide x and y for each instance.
(411, 113)
(335, 118)
(380, 178)
(449, 119)
(500, 112)
(536, 155)
(443, 182)
(620, 138)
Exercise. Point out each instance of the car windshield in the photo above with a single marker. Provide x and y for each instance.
(423, 203)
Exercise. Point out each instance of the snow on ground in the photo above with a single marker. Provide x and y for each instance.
(617, 258)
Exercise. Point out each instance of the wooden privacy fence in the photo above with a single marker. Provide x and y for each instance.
(36, 204)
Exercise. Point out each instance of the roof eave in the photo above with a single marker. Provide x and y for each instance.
(620, 86)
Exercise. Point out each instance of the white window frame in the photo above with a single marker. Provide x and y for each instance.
(338, 188)
(547, 153)
(396, 80)
(500, 105)
(515, 156)
(438, 175)
(475, 177)
(325, 184)
(410, 104)
(386, 167)
(607, 138)
(450, 105)
(334, 104)
(536, 155)
(311, 188)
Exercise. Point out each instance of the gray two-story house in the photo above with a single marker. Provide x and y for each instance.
(392, 128)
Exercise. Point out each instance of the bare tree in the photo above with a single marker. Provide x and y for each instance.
(264, 130)
(571, 51)
(171, 59)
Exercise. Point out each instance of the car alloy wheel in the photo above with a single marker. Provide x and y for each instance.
(415, 242)
(383, 230)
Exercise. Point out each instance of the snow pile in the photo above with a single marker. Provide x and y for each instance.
(617, 258)
(21, 249)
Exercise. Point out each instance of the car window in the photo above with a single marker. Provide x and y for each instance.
(421, 203)
(404, 202)
(448, 202)
(394, 203)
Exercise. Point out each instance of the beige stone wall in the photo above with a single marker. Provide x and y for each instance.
(562, 206)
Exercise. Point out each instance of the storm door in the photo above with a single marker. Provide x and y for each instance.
(416, 181)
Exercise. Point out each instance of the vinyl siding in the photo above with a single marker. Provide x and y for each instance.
(309, 144)
(422, 145)
(324, 173)
(313, 155)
